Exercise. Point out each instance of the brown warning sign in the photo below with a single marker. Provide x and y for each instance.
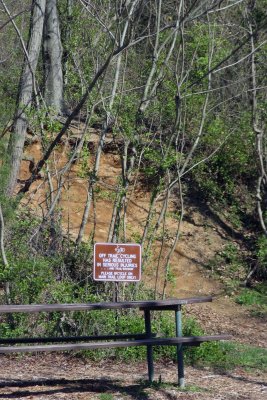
(117, 262)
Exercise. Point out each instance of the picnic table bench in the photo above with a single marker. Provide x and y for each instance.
(77, 343)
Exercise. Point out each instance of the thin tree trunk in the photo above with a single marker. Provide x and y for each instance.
(91, 183)
(175, 241)
(3, 256)
(262, 179)
(162, 242)
(2, 247)
(53, 58)
(67, 37)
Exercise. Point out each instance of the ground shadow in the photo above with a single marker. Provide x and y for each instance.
(245, 379)
(197, 200)
(51, 387)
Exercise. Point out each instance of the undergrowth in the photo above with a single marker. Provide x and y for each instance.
(255, 299)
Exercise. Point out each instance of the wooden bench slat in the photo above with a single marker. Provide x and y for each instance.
(155, 304)
(73, 338)
(190, 340)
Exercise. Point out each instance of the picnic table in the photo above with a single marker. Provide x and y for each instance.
(146, 338)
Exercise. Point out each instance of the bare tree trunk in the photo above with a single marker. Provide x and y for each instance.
(90, 190)
(259, 133)
(2, 247)
(17, 139)
(173, 247)
(53, 58)
(3, 256)
(162, 241)
(67, 37)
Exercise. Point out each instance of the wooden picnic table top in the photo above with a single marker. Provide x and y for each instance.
(142, 304)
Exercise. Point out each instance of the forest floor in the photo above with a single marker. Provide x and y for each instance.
(66, 376)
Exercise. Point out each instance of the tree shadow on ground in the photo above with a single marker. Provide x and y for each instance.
(219, 221)
(245, 379)
(50, 387)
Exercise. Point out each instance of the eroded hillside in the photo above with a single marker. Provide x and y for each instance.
(200, 237)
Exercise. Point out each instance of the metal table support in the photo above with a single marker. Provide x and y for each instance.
(150, 365)
(180, 359)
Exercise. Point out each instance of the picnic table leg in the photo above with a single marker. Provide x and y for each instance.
(149, 348)
(180, 359)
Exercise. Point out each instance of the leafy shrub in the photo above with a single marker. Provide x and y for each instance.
(251, 297)
(255, 299)
(261, 252)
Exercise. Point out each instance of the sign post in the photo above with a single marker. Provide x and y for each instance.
(116, 262)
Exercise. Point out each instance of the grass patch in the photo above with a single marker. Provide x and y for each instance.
(188, 388)
(106, 396)
(255, 299)
(229, 355)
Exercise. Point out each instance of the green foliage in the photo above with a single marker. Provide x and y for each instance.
(225, 179)
(198, 48)
(46, 117)
(157, 160)
(104, 194)
(255, 299)
(29, 277)
(261, 252)
(78, 262)
(78, 32)
(84, 167)
(233, 355)
(162, 110)
(229, 355)
(27, 272)
(218, 178)
(125, 109)
(4, 171)
(8, 205)
(252, 296)
(223, 355)
(159, 385)
(106, 396)
(35, 279)
(10, 70)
